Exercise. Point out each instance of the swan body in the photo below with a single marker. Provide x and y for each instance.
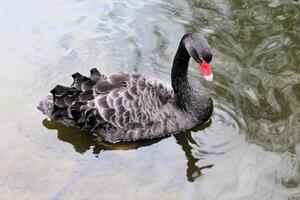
(123, 107)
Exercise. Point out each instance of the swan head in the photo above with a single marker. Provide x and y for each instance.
(199, 50)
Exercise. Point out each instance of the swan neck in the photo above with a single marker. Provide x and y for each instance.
(179, 75)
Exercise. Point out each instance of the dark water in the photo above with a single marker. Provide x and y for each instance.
(249, 150)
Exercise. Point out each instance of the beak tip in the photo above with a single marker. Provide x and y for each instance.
(209, 77)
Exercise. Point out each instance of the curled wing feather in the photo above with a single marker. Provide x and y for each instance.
(130, 101)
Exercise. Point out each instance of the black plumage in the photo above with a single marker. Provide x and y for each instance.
(133, 106)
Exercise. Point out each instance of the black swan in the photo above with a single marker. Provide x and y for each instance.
(124, 107)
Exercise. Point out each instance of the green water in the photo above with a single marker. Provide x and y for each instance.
(249, 150)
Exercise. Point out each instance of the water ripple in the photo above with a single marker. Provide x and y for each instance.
(252, 141)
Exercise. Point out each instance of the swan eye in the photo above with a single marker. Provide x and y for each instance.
(206, 55)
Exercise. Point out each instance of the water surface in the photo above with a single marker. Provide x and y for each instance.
(249, 149)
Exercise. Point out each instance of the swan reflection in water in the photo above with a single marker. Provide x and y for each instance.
(83, 141)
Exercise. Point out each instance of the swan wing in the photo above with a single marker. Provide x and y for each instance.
(131, 101)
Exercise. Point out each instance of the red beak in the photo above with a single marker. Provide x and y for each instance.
(206, 70)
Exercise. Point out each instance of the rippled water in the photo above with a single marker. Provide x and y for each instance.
(249, 150)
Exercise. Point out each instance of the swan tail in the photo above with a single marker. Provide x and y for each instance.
(46, 105)
(74, 105)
